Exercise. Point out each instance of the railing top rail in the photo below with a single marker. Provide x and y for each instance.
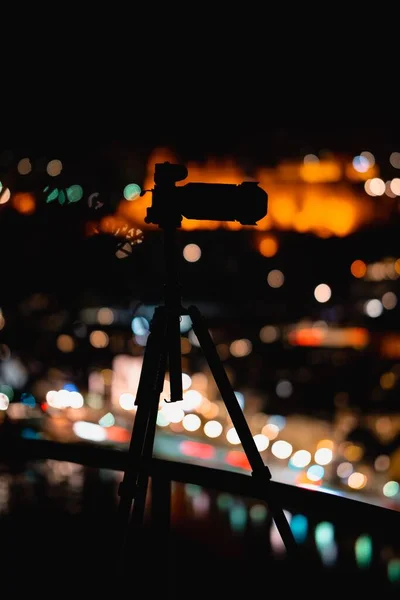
(293, 498)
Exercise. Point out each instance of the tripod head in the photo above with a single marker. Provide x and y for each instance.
(246, 203)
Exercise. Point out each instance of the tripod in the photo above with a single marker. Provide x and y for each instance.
(164, 345)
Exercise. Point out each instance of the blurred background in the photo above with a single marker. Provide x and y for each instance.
(303, 309)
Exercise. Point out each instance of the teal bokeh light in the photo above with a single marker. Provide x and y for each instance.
(224, 501)
(52, 196)
(391, 488)
(324, 534)
(299, 527)
(238, 517)
(393, 570)
(132, 191)
(74, 193)
(363, 551)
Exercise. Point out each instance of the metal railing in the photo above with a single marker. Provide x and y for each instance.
(351, 518)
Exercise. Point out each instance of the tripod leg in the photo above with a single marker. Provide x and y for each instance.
(260, 471)
(152, 370)
(137, 516)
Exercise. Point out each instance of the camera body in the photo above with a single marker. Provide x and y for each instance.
(246, 202)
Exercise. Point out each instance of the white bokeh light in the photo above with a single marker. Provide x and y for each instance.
(127, 401)
(323, 456)
(232, 436)
(373, 308)
(322, 292)
(301, 458)
(191, 422)
(213, 429)
(4, 401)
(191, 400)
(262, 442)
(281, 449)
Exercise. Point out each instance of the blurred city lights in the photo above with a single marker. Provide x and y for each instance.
(299, 527)
(140, 326)
(363, 551)
(269, 334)
(323, 456)
(99, 339)
(191, 252)
(213, 429)
(238, 517)
(373, 308)
(162, 420)
(369, 157)
(388, 380)
(281, 449)
(315, 472)
(268, 246)
(275, 278)
(4, 401)
(395, 186)
(361, 164)
(284, 388)
(300, 459)
(277, 420)
(191, 422)
(105, 316)
(191, 400)
(358, 268)
(127, 401)
(54, 168)
(391, 488)
(258, 513)
(240, 348)
(322, 292)
(174, 413)
(310, 158)
(24, 203)
(270, 430)
(185, 324)
(65, 343)
(357, 480)
(74, 193)
(375, 186)
(132, 191)
(186, 381)
(89, 431)
(344, 470)
(24, 166)
(382, 462)
(107, 420)
(324, 534)
(389, 300)
(262, 442)
(393, 568)
(232, 436)
(5, 195)
(395, 160)
(388, 190)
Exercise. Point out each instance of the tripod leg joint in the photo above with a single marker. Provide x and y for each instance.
(262, 474)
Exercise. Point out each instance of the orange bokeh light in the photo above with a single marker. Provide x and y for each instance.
(268, 246)
(24, 203)
(358, 268)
